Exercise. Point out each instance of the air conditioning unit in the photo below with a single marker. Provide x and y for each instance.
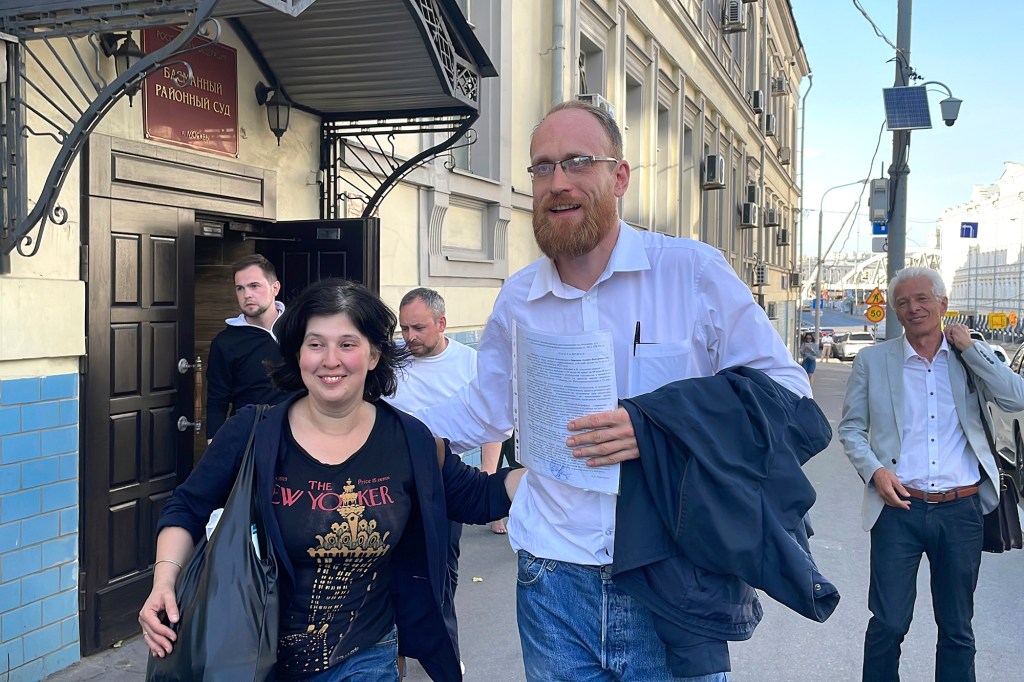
(757, 101)
(750, 215)
(714, 172)
(772, 309)
(785, 155)
(782, 237)
(780, 86)
(759, 276)
(753, 193)
(771, 218)
(733, 15)
(794, 280)
(749, 0)
(769, 125)
(596, 100)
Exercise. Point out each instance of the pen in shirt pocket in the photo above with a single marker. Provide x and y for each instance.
(637, 341)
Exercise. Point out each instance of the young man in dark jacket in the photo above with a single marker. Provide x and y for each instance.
(237, 375)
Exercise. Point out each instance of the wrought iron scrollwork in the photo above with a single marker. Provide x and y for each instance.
(74, 100)
(353, 157)
(469, 139)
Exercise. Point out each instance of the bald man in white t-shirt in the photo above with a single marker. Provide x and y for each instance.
(440, 367)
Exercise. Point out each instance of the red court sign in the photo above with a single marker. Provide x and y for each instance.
(203, 114)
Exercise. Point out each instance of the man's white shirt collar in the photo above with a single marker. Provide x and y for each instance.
(909, 352)
(628, 255)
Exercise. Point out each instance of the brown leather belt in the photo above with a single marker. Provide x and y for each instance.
(945, 495)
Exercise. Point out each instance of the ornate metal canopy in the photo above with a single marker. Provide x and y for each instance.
(369, 70)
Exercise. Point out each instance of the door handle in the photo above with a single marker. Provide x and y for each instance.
(197, 394)
(184, 365)
(184, 424)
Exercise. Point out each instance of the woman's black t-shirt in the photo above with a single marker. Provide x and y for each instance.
(341, 524)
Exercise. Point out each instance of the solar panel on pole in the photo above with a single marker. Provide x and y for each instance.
(906, 108)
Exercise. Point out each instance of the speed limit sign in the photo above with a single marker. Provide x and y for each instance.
(875, 314)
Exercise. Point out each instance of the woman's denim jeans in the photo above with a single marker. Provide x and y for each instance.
(577, 626)
(378, 663)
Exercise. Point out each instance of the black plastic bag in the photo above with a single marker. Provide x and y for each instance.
(227, 596)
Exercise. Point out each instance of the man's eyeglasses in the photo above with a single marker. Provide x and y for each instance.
(574, 165)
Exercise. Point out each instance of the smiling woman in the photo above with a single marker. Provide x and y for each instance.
(351, 484)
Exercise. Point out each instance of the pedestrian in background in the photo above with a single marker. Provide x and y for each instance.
(237, 374)
(912, 428)
(826, 347)
(439, 367)
(808, 356)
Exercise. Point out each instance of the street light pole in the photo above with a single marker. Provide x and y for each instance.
(799, 234)
(898, 171)
(817, 279)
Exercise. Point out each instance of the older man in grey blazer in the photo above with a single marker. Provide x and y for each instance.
(912, 428)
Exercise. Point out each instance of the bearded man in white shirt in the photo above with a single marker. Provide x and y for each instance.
(676, 310)
(912, 428)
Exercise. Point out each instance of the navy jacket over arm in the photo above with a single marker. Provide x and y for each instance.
(715, 506)
(457, 491)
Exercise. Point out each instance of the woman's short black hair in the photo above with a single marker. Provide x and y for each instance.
(370, 315)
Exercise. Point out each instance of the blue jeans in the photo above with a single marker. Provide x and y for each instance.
(378, 663)
(950, 534)
(577, 626)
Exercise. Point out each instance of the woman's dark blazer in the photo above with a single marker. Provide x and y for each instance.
(455, 491)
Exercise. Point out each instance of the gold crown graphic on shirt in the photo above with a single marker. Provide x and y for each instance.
(354, 536)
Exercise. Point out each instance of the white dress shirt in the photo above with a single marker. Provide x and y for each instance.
(935, 454)
(696, 317)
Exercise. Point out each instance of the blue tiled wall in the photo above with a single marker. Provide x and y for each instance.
(38, 526)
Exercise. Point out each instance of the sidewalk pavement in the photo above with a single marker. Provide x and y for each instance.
(125, 663)
(487, 620)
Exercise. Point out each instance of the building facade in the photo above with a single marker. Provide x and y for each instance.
(401, 162)
(985, 272)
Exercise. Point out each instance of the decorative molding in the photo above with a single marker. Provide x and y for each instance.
(138, 171)
(594, 20)
(437, 213)
(637, 61)
(483, 265)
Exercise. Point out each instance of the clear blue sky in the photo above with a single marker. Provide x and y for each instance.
(975, 48)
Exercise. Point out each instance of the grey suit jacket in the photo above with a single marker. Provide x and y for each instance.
(871, 429)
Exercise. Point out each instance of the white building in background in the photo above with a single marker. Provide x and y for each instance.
(987, 272)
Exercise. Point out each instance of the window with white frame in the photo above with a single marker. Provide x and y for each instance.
(751, 72)
(709, 209)
(592, 70)
(482, 156)
(724, 218)
(635, 210)
(733, 209)
(691, 193)
(666, 216)
(596, 26)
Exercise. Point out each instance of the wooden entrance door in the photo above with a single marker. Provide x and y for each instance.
(139, 324)
(307, 250)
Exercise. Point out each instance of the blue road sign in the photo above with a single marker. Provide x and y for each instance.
(969, 230)
(879, 228)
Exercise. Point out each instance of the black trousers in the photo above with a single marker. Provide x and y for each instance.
(950, 534)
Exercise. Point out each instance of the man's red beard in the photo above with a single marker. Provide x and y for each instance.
(560, 238)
